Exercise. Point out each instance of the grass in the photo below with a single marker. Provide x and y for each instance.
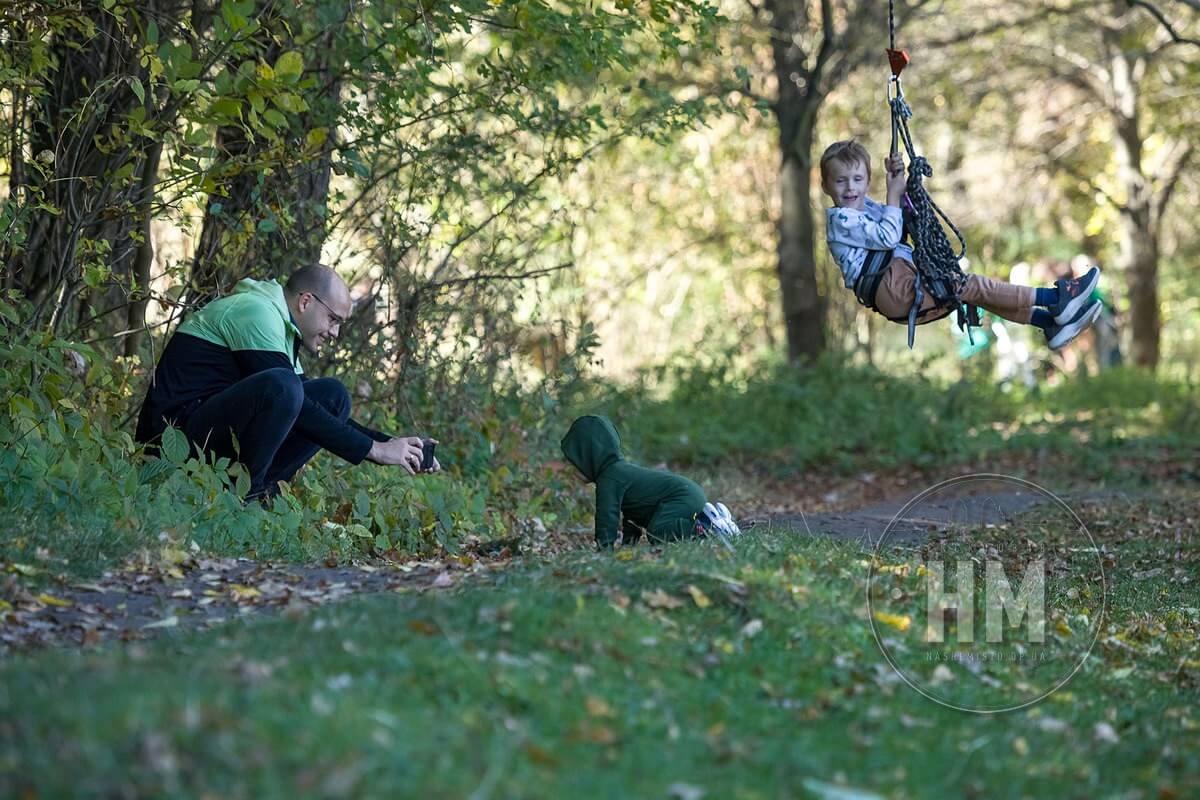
(651, 673)
(846, 419)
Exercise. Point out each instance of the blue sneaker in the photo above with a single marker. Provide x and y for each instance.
(1073, 295)
(1057, 336)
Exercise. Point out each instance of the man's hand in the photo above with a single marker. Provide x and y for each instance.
(895, 178)
(404, 451)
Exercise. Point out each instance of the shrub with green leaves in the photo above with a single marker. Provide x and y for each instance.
(81, 492)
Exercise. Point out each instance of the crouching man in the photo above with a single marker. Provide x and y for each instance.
(232, 371)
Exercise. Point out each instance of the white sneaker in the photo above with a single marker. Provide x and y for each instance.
(727, 519)
(718, 523)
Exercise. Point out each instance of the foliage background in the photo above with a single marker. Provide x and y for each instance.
(545, 208)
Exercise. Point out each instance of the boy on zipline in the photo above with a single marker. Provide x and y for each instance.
(865, 238)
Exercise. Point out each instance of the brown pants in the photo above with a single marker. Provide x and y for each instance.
(895, 296)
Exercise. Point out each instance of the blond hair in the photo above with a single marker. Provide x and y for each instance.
(847, 153)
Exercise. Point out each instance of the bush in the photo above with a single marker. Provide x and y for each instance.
(832, 415)
(79, 491)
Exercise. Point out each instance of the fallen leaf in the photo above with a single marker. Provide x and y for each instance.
(941, 674)
(684, 791)
(832, 791)
(443, 580)
(698, 597)
(752, 628)
(51, 600)
(169, 622)
(598, 708)
(540, 756)
(1103, 732)
(599, 734)
(900, 622)
(660, 599)
(1051, 725)
(241, 592)
(422, 626)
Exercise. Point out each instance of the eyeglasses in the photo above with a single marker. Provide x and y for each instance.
(336, 319)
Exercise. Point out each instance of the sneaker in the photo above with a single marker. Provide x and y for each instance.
(1073, 295)
(1057, 336)
(717, 521)
(727, 520)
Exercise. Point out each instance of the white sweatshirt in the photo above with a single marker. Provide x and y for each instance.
(851, 233)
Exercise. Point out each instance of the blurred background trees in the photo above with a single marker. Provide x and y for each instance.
(502, 181)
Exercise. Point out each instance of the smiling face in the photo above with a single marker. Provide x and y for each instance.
(847, 184)
(320, 316)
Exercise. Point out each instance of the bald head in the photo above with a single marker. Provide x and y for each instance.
(319, 301)
(316, 278)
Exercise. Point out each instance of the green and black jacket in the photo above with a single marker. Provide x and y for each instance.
(230, 339)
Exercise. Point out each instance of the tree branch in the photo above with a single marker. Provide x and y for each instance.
(1173, 176)
(1176, 38)
(996, 27)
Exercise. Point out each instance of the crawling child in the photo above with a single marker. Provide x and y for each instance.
(630, 499)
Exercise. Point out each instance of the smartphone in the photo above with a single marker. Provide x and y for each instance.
(427, 447)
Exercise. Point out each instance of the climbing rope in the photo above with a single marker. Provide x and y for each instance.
(938, 271)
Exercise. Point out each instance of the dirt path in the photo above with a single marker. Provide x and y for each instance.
(148, 598)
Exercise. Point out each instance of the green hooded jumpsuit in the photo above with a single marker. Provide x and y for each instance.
(662, 503)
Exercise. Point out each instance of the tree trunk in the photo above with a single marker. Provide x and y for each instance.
(803, 307)
(135, 318)
(796, 108)
(80, 173)
(1138, 229)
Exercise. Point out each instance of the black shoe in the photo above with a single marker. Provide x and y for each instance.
(1057, 336)
(1073, 295)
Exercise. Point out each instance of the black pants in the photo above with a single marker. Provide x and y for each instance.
(260, 412)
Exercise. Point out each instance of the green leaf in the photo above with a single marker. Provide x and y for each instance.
(289, 102)
(316, 137)
(289, 67)
(175, 447)
(267, 225)
(242, 486)
(362, 505)
(152, 469)
(138, 89)
(276, 119)
(227, 107)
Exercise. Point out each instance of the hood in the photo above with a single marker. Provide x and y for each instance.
(272, 291)
(592, 444)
